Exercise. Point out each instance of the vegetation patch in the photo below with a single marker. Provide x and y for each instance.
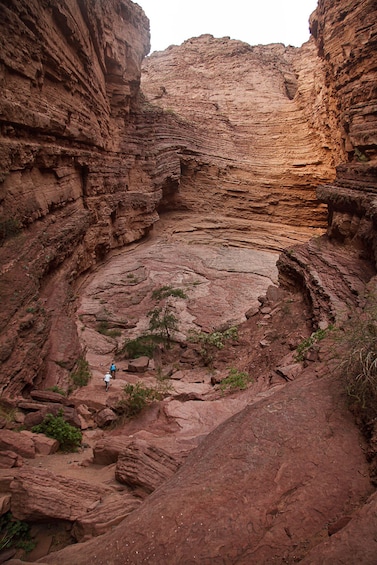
(9, 227)
(135, 398)
(104, 329)
(308, 343)
(15, 534)
(236, 380)
(143, 346)
(56, 427)
(211, 341)
(81, 374)
(358, 346)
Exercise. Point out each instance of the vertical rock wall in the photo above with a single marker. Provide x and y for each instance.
(345, 34)
(72, 185)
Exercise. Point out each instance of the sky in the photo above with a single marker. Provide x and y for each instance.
(253, 21)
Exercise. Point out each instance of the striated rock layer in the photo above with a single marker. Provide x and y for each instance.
(71, 185)
(259, 143)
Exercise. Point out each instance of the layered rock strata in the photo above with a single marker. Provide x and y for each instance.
(345, 37)
(261, 145)
(72, 186)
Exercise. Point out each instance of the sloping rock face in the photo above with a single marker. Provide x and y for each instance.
(248, 494)
(72, 187)
(345, 36)
(259, 143)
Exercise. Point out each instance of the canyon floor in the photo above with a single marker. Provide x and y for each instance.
(295, 410)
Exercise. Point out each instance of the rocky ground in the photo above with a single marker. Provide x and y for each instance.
(292, 415)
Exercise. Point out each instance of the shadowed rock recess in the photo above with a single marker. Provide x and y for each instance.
(245, 176)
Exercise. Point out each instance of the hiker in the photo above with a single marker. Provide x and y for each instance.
(113, 370)
(107, 379)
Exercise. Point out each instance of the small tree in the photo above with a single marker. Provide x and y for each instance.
(162, 320)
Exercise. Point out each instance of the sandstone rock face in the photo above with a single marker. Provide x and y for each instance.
(248, 493)
(39, 495)
(71, 182)
(346, 41)
(144, 467)
(253, 142)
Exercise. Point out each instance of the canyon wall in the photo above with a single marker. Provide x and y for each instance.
(262, 137)
(345, 34)
(72, 185)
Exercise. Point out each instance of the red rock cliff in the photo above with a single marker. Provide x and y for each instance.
(71, 182)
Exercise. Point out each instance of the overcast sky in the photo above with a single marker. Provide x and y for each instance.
(253, 21)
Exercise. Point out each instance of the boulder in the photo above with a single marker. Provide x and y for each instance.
(4, 503)
(106, 451)
(39, 495)
(105, 417)
(289, 372)
(49, 396)
(9, 459)
(18, 443)
(104, 516)
(139, 365)
(144, 466)
(69, 414)
(43, 445)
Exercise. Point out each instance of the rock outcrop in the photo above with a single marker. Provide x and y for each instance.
(72, 184)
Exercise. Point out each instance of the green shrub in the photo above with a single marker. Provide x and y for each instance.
(15, 534)
(56, 427)
(55, 388)
(140, 347)
(8, 228)
(358, 348)
(307, 343)
(166, 291)
(212, 341)
(135, 398)
(236, 380)
(81, 375)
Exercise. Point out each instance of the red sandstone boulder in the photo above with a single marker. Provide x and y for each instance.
(106, 451)
(144, 466)
(105, 417)
(17, 442)
(139, 365)
(107, 514)
(69, 414)
(49, 396)
(39, 495)
(9, 459)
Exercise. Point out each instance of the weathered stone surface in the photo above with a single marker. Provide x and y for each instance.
(105, 516)
(289, 372)
(39, 495)
(139, 365)
(9, 459)
(145, 467)
(43, 445)
(106, 451)
(292, 462)
(49, 396)
(105, 417)
(354, 543)
(17, 442)
(69, 414)
(4, 504)
(71, 178)
(234, 182)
